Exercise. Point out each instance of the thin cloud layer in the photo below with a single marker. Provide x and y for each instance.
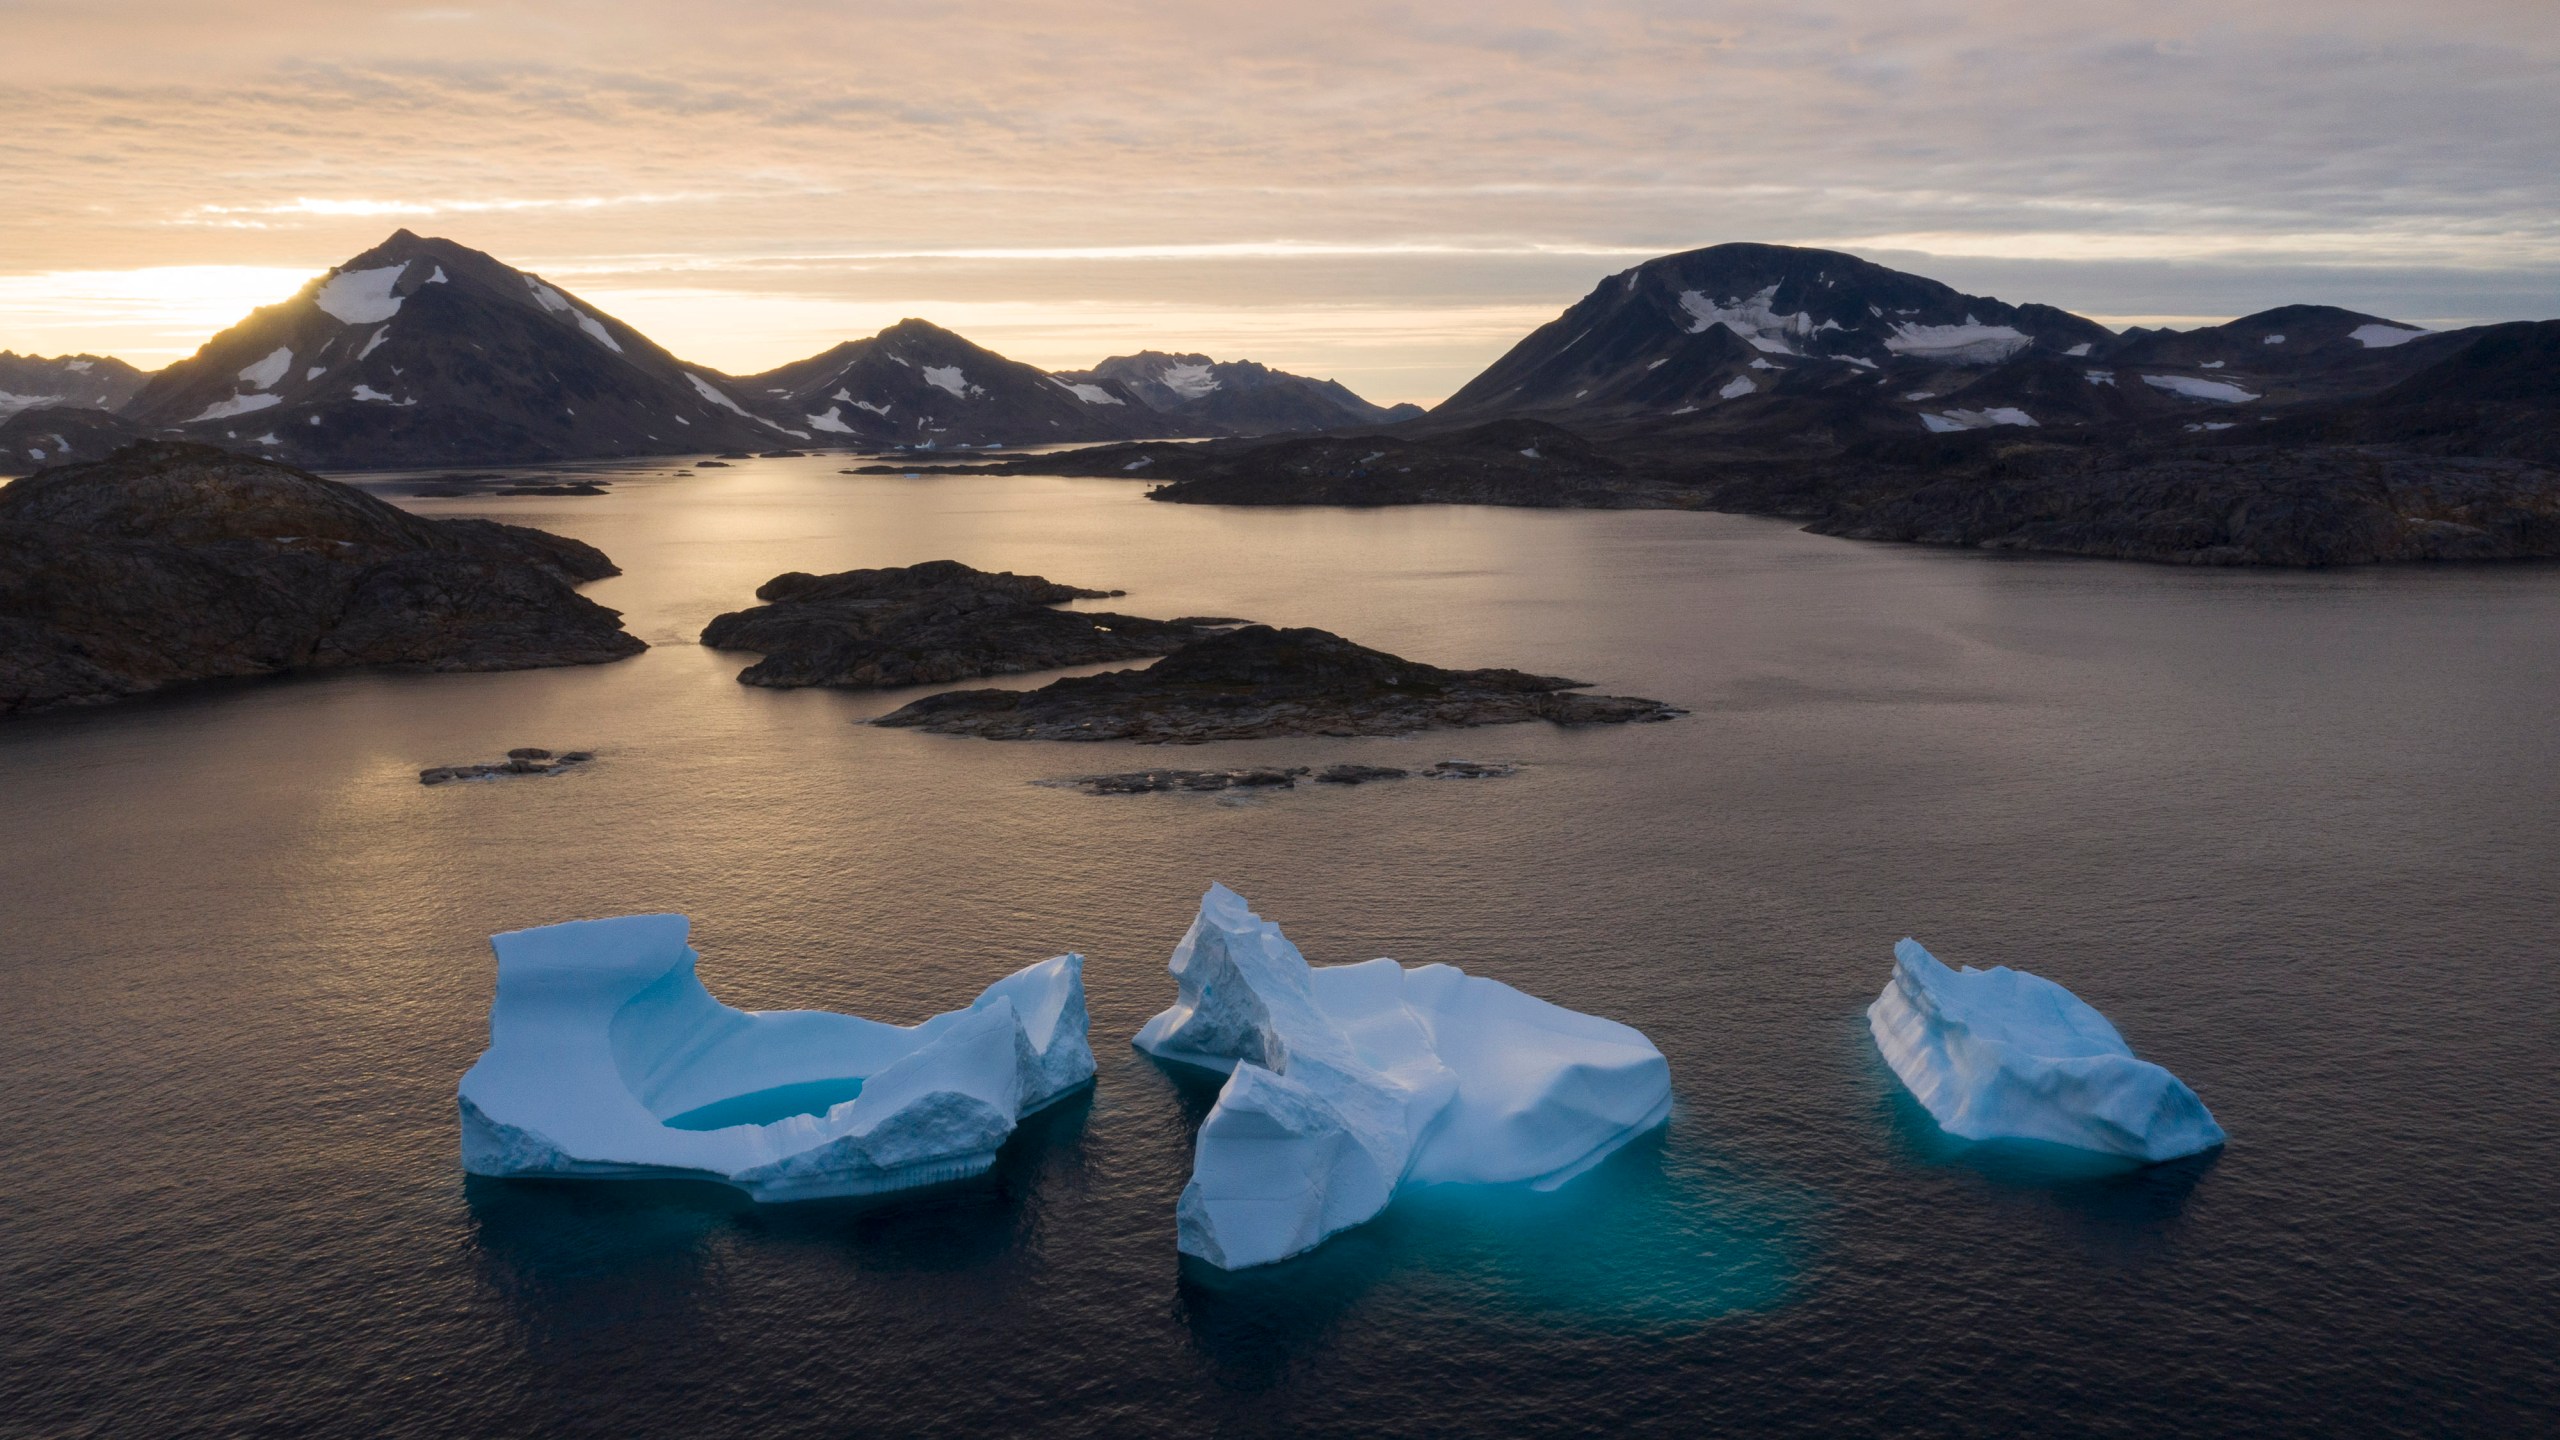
(1115, 161)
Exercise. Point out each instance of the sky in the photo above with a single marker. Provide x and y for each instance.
(1385, 194)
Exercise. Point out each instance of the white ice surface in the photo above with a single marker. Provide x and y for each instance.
(1954, 420)
(2000, 1054)
(1195, 380)
(2383, 337)
(2274, 340)
(1755, 319)
(1970, 343)
(1736, 388)
(362, 297)
(2078, 351)
(1089, 394)
(236, 405)
(367, 392)
(712, 393)
(1347, 1081)
(600, 1033)
(2195, 389)
(265, 374)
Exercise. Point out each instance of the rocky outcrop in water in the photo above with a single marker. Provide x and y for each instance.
(931, 624)
(170, 563)
(1257, 682)
(524, 760)
(1152, 782)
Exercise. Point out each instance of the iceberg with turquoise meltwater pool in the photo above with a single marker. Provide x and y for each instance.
(607, 1058)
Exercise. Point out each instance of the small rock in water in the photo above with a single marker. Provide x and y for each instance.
(1144, 782)
(524, 760)
(711, 465)
(1359, 774)
(1471, 770)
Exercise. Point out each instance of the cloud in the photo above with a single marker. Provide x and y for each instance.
(1386, 147)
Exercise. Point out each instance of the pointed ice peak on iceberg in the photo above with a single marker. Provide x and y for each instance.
(2000, 1054)
(607, 1057)
(1345, 1081)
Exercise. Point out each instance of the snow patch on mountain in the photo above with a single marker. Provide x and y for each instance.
(1970, 343)
(832, 421)
(1188, 381)
(2195, 389)
(236, 405)
(709, 392)
(1955, 420)
(264, 374)
(1089, 394)
(558, 304)
(1756, 319)
(1736, 388)
(375, 343)
(2383, 337)
(362, 297)
(948, 377)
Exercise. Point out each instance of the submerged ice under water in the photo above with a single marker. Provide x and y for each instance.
(2290, 832)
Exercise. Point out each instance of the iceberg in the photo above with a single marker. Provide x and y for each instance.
(2000, 1054)
(608, 1058)
(1346, 1081)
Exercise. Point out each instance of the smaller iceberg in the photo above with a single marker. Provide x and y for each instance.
(608, 1058)
(1999, 1054)
(1346, 1081)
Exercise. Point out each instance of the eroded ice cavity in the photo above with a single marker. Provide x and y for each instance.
(608, 1058)
(1346, 1081)
(1999, 1054)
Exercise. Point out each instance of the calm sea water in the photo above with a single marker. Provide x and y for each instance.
(2295, 833)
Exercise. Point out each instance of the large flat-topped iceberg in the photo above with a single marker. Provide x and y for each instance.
(2000, 1054)
(1348, 1080)
(607, 1058)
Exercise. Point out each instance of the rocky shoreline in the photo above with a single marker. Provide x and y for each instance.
(1157, 782)
(1258, 682)
(932, 624)
(169, 563)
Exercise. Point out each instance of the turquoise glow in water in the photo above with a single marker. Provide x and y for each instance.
(763, 1107)
(2290, 832)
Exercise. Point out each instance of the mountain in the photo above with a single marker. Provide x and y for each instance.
(424, 352)
(918, 384)
(59, 435)
(1690, 332)
(1200, 396)
(89, 382)
(2294, 352)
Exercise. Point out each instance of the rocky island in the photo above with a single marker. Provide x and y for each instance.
(1257, 682)
(168, 563)
(931, 624)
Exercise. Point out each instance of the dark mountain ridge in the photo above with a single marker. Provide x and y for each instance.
(1200, 396)
(917, 384)
(424, 352)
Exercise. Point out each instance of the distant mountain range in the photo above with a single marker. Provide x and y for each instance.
(94, 382)
(1877, 404)
(1195, 395)
(424, 352)
(1763, 378)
